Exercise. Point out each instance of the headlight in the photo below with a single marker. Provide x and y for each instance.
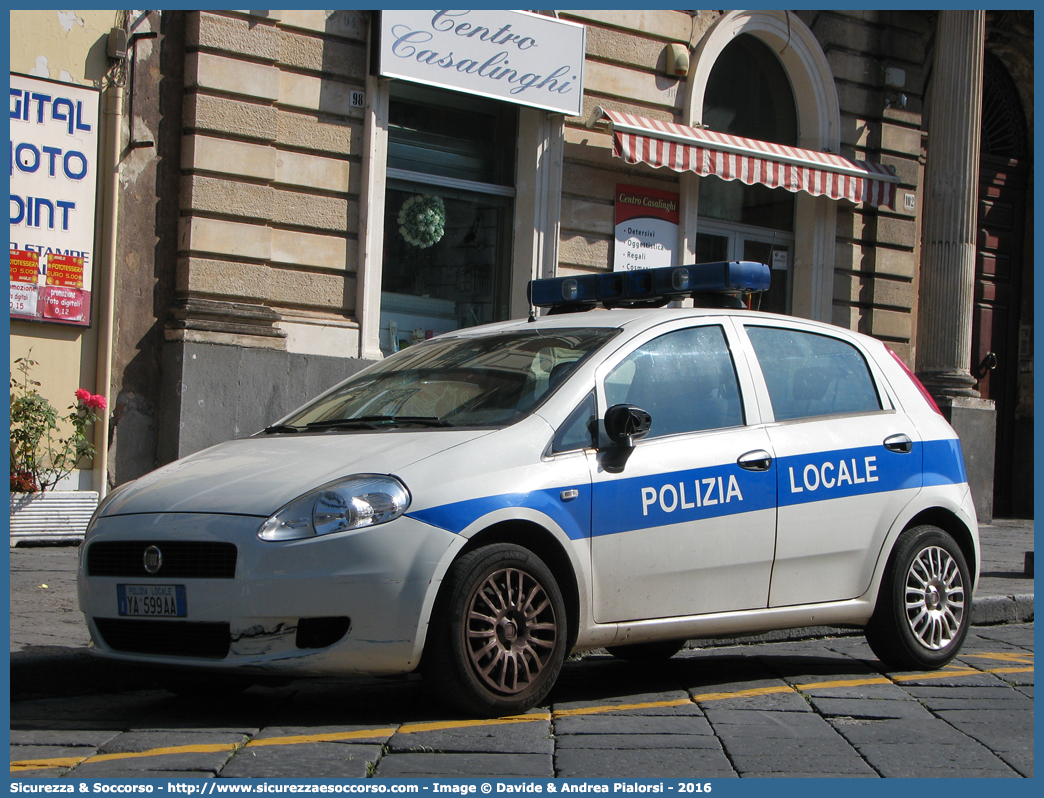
(340, 506)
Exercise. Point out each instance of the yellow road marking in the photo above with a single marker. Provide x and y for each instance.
(414, 728)
(329, 737)
(209, 748)
(45, 764)
(754, 691)
(40, 764)
(565, 713)
(946, 673)
(1007, 656)
(844, 683)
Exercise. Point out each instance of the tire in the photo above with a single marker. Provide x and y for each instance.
(498, 634)
(924, 608)
(647, 653)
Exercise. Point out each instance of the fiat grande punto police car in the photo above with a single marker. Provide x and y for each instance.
(482, 504)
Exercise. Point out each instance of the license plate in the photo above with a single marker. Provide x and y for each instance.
(152, 601)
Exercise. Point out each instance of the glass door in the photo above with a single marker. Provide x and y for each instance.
(719, 241)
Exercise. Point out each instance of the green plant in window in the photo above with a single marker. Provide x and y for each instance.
(422, 220)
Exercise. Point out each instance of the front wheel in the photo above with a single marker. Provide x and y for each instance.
(924, 608)
(498, 633)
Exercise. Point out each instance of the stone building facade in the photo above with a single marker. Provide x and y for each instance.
(264, 161)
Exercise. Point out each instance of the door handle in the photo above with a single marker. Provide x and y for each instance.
(900, 443)
(758, 460)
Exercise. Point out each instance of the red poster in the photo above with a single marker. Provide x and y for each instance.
(646, 228)
(65, 270)
(65, 304)
(25, 266)
(634, 202)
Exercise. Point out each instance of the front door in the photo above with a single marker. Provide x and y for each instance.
(687, 524)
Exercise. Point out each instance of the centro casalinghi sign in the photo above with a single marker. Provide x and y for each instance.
(515, 56)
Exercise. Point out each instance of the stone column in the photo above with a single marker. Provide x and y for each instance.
(947, 292)
(951, 198)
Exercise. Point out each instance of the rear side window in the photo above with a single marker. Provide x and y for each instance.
(685, 380)
(813, 375)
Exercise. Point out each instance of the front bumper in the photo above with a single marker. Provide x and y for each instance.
(383, 579)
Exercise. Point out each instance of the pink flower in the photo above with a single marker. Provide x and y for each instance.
(96, 400)
(83, 394)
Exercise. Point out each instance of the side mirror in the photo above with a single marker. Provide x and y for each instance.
(624, 424)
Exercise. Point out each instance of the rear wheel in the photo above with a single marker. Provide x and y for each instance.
(647, 653)
(498, 633)
(924, 607)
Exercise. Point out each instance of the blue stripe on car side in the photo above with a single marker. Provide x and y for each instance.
(847, 472)
(944, 463)
(656, 500)
(573, 516)
(662, 499)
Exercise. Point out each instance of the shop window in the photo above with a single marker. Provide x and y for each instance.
(748, 94)
(449, 212)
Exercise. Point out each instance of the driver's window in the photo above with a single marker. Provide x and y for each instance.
(685, 380)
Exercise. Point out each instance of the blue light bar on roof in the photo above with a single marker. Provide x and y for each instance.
(650, 286)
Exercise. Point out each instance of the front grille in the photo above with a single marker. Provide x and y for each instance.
(171, 638)
(182, 559)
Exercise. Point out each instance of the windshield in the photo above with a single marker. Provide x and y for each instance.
(484, 381)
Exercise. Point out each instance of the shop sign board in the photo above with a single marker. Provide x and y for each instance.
(54, 179)
(646, 228)
(516, 56)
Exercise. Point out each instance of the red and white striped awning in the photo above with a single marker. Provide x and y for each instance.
(637, 139)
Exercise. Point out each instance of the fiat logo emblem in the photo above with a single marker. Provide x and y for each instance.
(153, 559)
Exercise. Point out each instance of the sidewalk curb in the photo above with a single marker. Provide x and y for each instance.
(58, 671)
(1002, 609)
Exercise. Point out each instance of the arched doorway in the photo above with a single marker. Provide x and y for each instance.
(748, 94)
(1004, 176)
(800, 59)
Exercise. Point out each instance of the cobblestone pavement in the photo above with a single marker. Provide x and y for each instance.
(817, 707)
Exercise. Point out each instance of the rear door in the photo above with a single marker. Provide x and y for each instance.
(686, 525)
(848, 461)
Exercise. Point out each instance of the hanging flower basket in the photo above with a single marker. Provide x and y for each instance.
(422, 220)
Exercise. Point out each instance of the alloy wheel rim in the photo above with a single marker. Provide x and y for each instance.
(934, 598)
(510, 630)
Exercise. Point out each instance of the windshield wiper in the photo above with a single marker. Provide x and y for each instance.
(376, 422)
(276, 428)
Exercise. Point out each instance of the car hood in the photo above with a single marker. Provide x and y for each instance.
(257, 476)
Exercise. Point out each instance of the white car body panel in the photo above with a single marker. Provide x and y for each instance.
(642, 572)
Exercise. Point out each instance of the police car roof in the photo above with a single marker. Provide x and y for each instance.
(635, 319)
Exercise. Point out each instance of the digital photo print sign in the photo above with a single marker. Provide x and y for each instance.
(646, 228)
(54, 179)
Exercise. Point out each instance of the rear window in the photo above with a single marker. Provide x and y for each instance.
(812, 375)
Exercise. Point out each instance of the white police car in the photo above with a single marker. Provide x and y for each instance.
(484, 503)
